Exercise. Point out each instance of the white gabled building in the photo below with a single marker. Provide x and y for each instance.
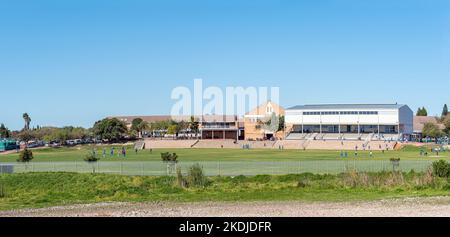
(379, 119)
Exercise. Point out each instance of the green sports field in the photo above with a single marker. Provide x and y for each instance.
(229, 162)
(200, 155)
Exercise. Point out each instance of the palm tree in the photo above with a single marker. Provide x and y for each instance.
(141, 127)
(194, 125)
(27, 120)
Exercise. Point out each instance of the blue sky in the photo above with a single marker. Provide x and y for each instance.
(75, 62)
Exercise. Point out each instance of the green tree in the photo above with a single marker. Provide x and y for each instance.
(422, 112)
(447, 127)
(445, 111)
(135, 124)
(4, 131)
(194, 125)
(142, 126)
(281, 123)
(25, 156)
(431, 130)
(110, 129)
(173, 129)
(26, 135)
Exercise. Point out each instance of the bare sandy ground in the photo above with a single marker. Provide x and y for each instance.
(409, 207)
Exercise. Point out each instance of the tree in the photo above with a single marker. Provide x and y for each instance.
(431, 130)
(281, 123)
(173, 129)
(447, 127)
(110, 129)
(194, 125)
(25, 156)
(135, 123)
(422, 112)
(141, 127)
(445, 111)
(4, 131)
(91, 158)
(27, 121)
(26, 135)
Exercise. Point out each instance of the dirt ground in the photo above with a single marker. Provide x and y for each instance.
(409, 207)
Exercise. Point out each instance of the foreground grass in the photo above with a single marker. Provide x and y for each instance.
(35, 190)
(197, 155)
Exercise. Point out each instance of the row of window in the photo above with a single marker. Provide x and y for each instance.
(342, 113)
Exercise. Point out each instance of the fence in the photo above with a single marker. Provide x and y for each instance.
(223, 168)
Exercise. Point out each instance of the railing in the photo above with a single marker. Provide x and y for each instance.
(223, 168)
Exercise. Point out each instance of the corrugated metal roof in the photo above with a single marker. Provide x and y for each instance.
(346, 106)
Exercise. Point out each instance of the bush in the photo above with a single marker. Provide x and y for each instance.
(441, 169)
(91, 157)
(196, 177)
(167, 157)
(25, 155)
(303, 183)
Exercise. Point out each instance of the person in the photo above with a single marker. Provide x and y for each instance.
(342, 154)
(104, 152)
(151, 150)
(356, 153)
(371, 154)
(124, 152)
(136, 150)
(112, 151)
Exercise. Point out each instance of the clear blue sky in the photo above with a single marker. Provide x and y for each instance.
(75, 62)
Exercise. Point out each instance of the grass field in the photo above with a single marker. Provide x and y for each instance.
(34, 190)
(224, 162)
(197, 155)
(57, 183)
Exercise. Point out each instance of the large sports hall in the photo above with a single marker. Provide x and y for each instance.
(349, 122)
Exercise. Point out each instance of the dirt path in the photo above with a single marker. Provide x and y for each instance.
(428, 207)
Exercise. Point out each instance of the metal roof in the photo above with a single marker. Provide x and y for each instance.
(346, 106)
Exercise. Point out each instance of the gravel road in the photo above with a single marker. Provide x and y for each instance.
(409, 207)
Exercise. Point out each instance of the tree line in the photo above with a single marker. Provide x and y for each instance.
(423, 111)
(111, 129)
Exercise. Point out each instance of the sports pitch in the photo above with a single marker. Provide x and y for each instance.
(226, 162)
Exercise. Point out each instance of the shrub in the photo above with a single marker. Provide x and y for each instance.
(167, 157)
(196, 177)
(171, 161)
(25, 155)
(303, 183)
(91, 157)
(441, 169)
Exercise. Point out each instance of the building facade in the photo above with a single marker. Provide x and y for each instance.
(351, 119)
(256, 120)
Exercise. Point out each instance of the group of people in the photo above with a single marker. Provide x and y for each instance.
(120, 152)
(344, 154)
